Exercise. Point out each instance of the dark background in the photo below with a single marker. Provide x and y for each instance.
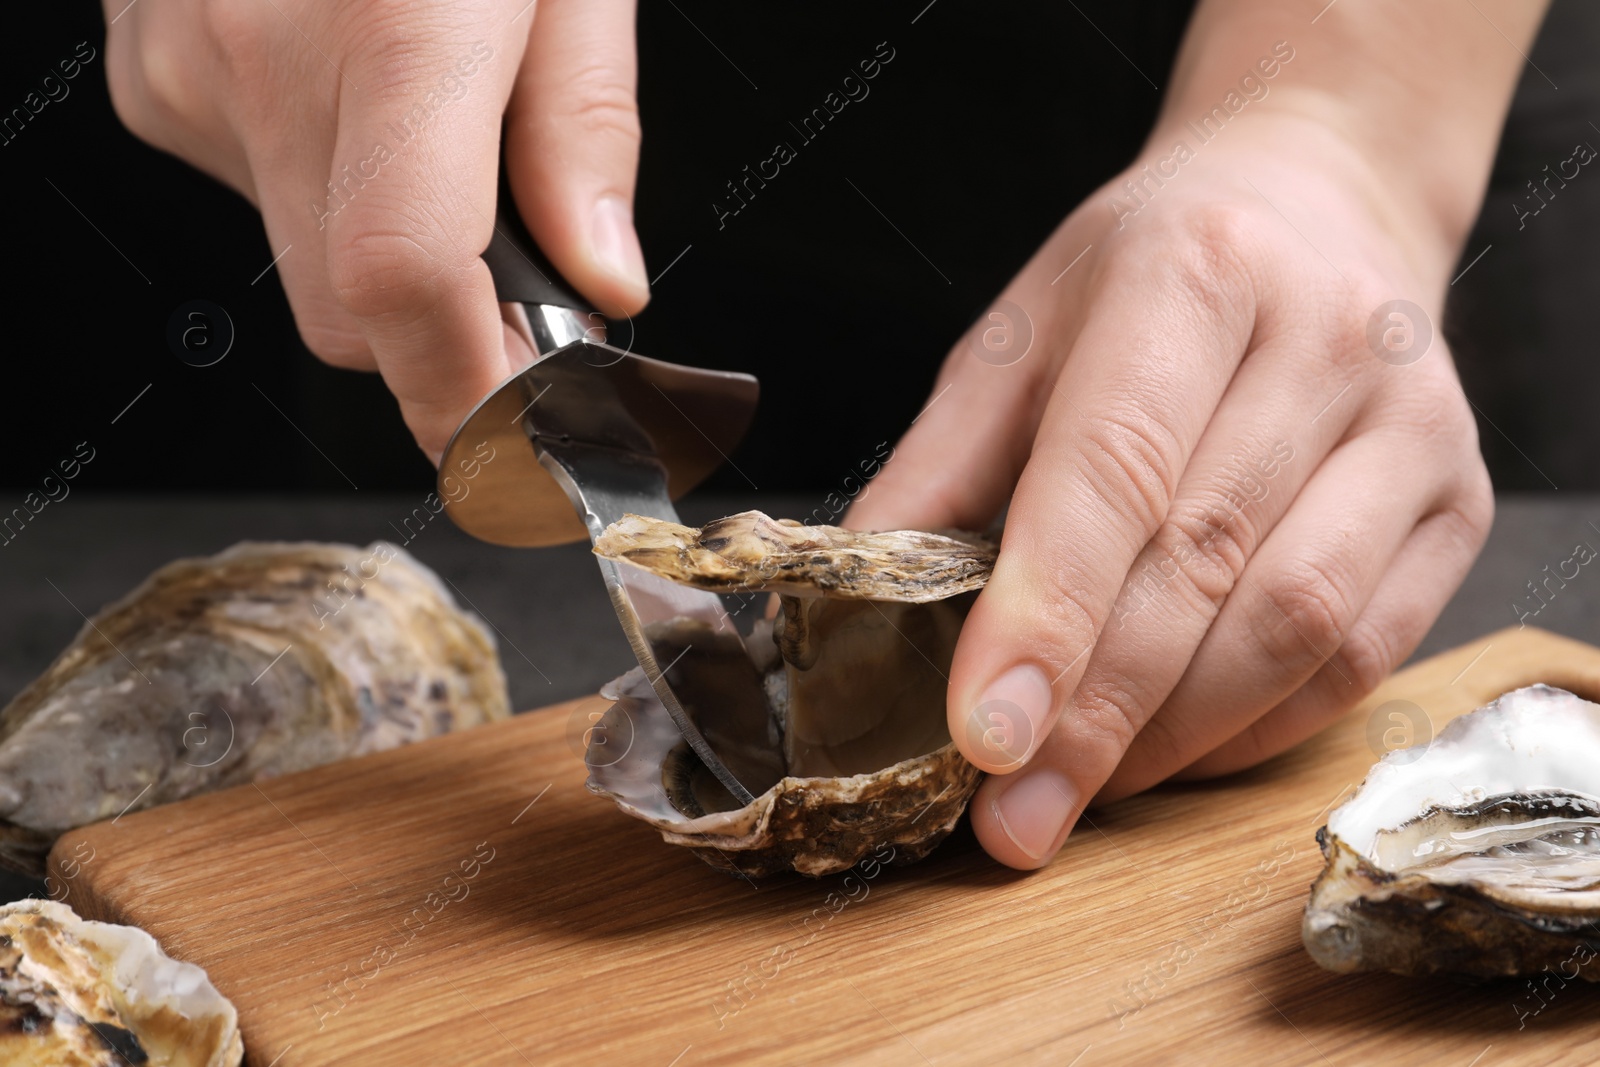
(988, 126)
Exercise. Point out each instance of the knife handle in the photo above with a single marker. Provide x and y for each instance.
(520, 270)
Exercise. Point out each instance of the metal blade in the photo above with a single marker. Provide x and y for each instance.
(609, 429)
(605, 485)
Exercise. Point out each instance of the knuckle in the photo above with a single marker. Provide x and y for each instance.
(1458, 430)
(127, 98)
(128, 84)
(1250, 746)
(1069, 616)
(1209, 267)
(1169, 743)
(1364, 660)
(389, 44)
(1444, 420)
(1058, 617)
(377, 272)
(1113, 709)
(1341, 332)
(1133, 461)
(397, 48)
(1220, 227)
(1432, 420)
(1340, 328)
(1436, 417)
(1330, 317)
(603, 106)
(1304, 617)
(1475, 502)
(235, 29)
(171, 86)
(1201, 259)
(1217, 232)
(943, 496)
(337, 346)
(1210, 541)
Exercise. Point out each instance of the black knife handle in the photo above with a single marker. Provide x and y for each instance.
(520, 270)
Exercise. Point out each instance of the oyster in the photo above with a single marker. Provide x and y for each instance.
(75, 993)
(833, 714)
(1477, 855)
(258, 661)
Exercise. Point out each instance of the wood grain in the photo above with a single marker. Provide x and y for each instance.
(1167, 930)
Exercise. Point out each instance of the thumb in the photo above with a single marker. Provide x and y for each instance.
(572, 144)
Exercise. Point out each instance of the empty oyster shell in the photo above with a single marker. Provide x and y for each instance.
(258, 661)
(75, 993)
(840, 730)
(1476, 855)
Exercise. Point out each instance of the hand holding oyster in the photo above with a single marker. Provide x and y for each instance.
(834, 713)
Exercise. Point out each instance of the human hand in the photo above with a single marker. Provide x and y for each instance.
(1233, 515)
(368, 134)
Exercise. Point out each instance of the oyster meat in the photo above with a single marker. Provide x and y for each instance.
(833, 713)
(75, 993)
(258, 661)
(1475, 855)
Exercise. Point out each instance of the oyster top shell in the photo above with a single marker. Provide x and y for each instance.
(76, 993)
(751, 552)
(261, 660)
(1477, 854)
(843, 740)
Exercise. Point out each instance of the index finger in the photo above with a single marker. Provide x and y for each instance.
(1164, 335)
(411, 202)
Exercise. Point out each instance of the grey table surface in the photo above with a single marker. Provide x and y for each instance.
(558, 636)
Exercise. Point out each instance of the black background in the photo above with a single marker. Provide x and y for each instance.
(989, 125)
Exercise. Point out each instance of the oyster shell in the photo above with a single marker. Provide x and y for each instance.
(753, 552)
(1476, 855)
(258, 661)
(76, 993)
(833, 714)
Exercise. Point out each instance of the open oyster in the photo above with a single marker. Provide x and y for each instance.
(1480, 856)
(833, 714)
(75, 993)
(258, 661)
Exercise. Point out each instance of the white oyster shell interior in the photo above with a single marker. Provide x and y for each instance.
(1506, 798)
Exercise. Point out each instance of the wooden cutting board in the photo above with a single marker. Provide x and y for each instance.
(466, 900)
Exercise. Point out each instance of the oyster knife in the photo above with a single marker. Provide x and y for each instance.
(586, 434)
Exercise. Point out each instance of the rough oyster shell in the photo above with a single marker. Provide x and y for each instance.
(750, 551)
(258, 661)
(1477, 855)
(76, 993)
(841, 735)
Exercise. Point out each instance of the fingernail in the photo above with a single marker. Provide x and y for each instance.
(616, 246)
(1035, 809)
(1009, 717)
